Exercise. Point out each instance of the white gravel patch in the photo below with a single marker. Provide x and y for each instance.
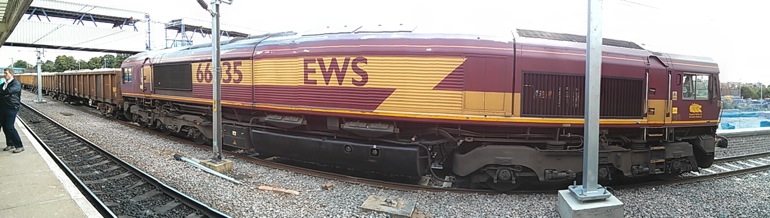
(739, 196)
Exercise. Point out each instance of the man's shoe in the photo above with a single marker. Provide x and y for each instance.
(8, 148)
(18, 150)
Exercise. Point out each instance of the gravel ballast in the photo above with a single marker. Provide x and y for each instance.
(738, 196)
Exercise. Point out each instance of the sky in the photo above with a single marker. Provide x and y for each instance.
(731, 32)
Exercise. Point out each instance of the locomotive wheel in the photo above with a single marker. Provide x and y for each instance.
(157, 125)
(201, 139)
(162, 128)
(502, 186)
(166, 131)
(142, 123)
(506, 181)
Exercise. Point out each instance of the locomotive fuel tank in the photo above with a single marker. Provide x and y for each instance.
(396, 159)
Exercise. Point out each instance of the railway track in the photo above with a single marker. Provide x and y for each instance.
(114, 187)
(721, 168)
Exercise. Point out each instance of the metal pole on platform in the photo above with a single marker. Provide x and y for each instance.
(590, 189)
(39, 78)
(216, 75)
(216, 71)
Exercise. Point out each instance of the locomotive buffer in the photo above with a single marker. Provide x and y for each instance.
(590, 199)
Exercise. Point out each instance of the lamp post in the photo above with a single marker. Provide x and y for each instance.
(216, 75)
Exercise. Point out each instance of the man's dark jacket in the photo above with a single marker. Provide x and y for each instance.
(10, 97)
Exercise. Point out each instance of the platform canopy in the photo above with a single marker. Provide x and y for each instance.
(11, 12)
(79, 27)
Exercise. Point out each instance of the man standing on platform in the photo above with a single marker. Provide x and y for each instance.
(10, 102)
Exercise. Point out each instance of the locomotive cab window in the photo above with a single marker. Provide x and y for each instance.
(696, 87)
(126, 75)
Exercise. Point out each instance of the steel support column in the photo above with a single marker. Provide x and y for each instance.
(149, 38)
(590, 189)
(216, 92)
(39, 98)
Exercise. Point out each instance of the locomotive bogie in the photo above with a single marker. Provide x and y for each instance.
(170, 118)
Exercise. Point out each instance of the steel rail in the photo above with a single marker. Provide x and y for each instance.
(92, 197)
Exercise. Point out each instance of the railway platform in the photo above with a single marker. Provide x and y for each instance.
(32, 185)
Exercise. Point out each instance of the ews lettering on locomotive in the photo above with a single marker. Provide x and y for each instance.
(332, 66)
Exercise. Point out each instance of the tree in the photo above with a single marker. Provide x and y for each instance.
(766, 91)
(749, 92)
(22, 64)
(108, 60)
(82, 64)
(48, 66)
(94, 62)
(119, 60)
(64, 63)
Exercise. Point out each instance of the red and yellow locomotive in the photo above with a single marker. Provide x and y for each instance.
(497, 111)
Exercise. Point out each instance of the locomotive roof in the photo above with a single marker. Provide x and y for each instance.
(287, 38)
(575, 38)
(246, 45)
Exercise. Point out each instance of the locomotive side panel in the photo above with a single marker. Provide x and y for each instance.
(488, 85)
(132, 84)
(358, 83)
(552, 84)
(658, 104)
(698, 86)
(236, 81)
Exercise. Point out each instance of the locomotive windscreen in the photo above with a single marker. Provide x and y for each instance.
(173, 77)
